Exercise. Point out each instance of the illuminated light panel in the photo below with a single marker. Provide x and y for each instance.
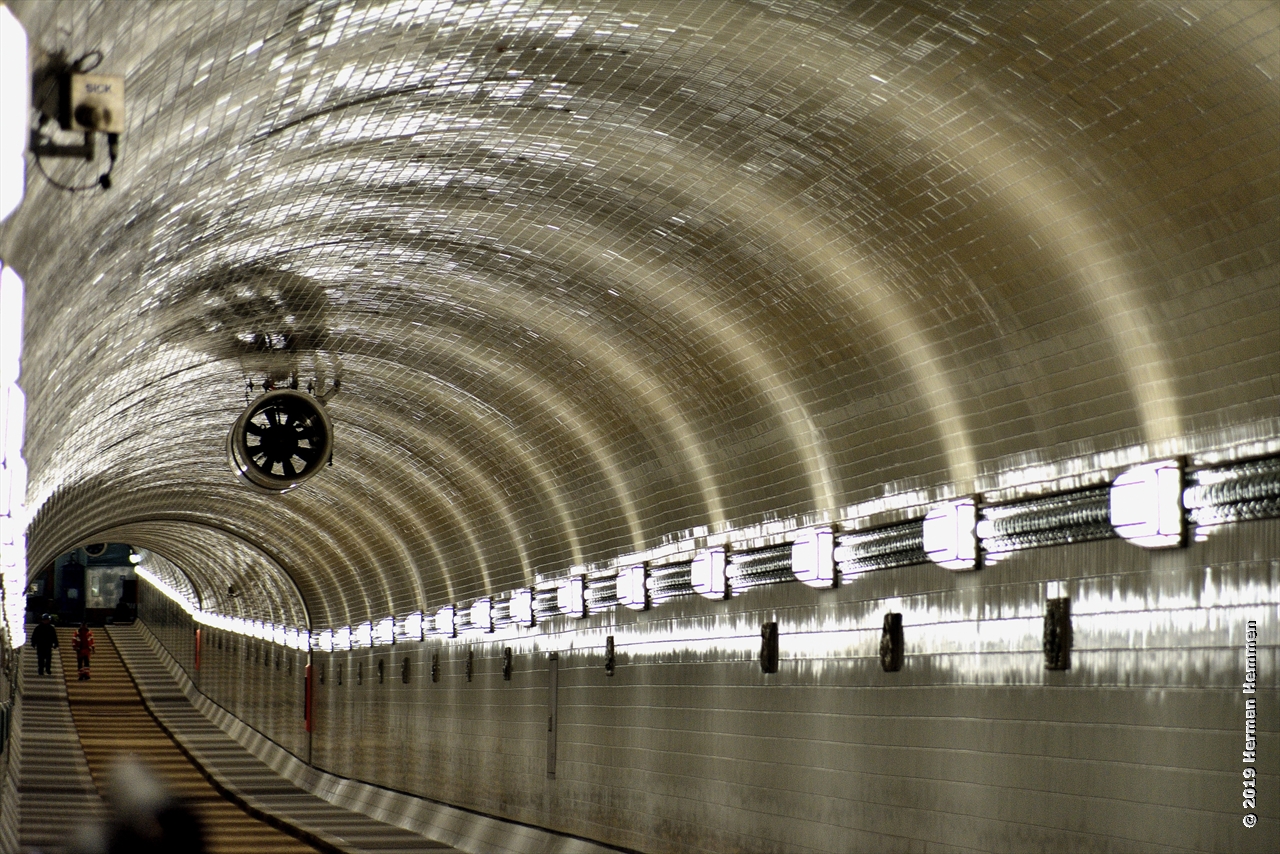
(11, 324)
(13, 468)
(15, 110)
(950, 535)
(325, 640)
(1146, 505)
(708, 574)
(13, 419)
(446, 622)
(384, 634)
(522, 607)
(6, 491)
(342, 638)
(412, 626)
(161, 585)
(813, 558)
(632, 590)
(482, 615)
(13, 569)
(571, 596)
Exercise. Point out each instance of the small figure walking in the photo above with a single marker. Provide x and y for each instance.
(82, 643)
(44, 639)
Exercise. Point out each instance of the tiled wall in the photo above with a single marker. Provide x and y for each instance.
(10, 751)
(170, 624)
(973, 745)
(259, 682)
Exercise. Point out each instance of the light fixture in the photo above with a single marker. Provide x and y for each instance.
(413, 626)
(15, 111)
(1146, 505)
(632, 590)
(571, 596)
(813, 557)
(950, 537)
(522, 607)
(11, 324)
(707, 574)
(482, 615)
(446, 622)
(384, 634)
(342, 638)
(13, 418)
(13, 491)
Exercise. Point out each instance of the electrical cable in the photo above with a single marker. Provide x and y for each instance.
(104, 180)
(61, 186)
(79, 67)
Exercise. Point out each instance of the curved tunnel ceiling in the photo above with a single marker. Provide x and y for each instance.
(592, 275)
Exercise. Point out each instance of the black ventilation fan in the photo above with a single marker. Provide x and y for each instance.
(281, 440)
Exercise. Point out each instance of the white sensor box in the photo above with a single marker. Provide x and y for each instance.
(97, 103)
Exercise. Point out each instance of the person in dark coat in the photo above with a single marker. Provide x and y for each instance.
(44, 639)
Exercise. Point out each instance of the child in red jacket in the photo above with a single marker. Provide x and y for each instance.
(82, 643)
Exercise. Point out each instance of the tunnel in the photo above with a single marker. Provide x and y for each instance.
(737, 426)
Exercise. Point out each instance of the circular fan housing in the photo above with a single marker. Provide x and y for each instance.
(281, 440)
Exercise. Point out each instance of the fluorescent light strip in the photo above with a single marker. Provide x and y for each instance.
(13, 415)
(15, 112)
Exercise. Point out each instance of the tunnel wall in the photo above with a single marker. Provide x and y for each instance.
(973, 745)
(260, 683)
(10, 744)
(171, 625)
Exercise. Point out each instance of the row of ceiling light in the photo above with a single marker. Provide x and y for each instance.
(13, 468)
(15, 93)
(1145, 509)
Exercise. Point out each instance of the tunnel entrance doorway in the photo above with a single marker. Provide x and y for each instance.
(97, 583)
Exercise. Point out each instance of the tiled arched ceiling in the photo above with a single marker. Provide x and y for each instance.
(594, 273)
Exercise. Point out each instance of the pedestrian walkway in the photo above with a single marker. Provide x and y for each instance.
(112, 721)
(55, 789)
(247, 779)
